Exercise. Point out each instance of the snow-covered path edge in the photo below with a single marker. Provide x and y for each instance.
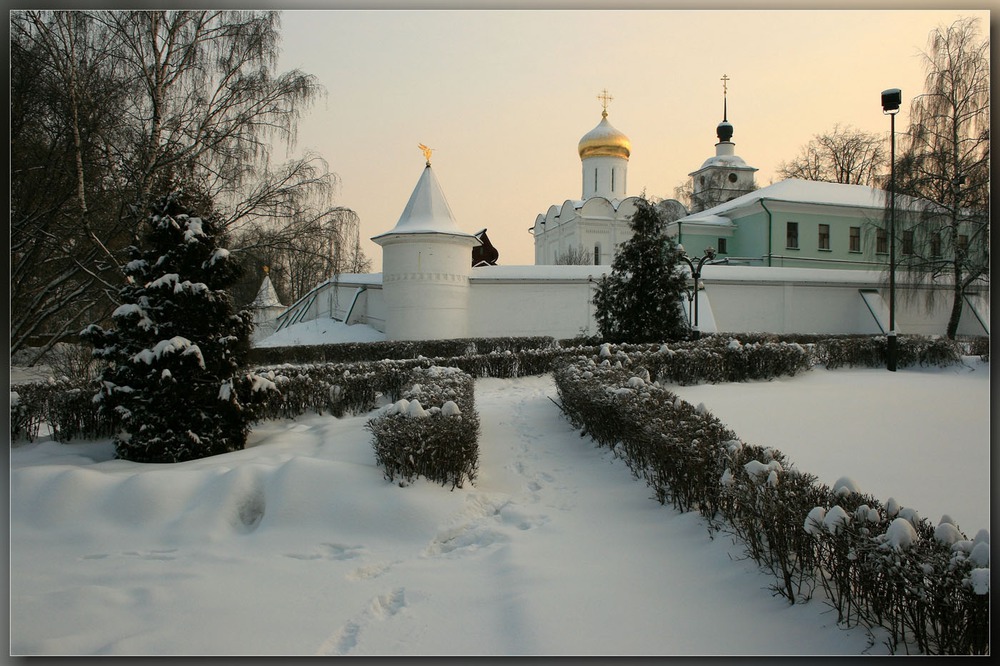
(674, 575)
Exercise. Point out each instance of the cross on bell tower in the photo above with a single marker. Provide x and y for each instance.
(725, 82)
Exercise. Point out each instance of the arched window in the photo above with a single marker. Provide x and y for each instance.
(597, 254)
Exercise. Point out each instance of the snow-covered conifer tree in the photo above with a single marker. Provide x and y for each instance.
(640, 300)
(174, 353)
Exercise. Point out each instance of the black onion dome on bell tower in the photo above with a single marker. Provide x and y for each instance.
(724, 131)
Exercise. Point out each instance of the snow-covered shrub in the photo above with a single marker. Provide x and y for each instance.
(72, 414)
(357, 352)
(766, 505)
(980, 346)
(66, 405)
(714, 360)
(887, 567)
(21, 422)
(870, 351)
(335, 388)
(879, 566)
(664, 440)
(431, 431)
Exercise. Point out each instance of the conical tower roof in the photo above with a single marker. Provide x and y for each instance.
(267, 297)
(427, 211)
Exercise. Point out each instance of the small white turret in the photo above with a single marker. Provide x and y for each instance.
(266, 308)
(426, 263)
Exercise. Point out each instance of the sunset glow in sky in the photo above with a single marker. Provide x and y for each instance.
(504, 96)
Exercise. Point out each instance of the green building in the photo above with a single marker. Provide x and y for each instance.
(799, 224)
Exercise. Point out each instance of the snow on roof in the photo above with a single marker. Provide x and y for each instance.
(804, 191)
(266, 297)
(734, 161)
(427, 211)
(370, 279)
(707, 220)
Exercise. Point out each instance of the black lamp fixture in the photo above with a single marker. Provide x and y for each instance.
(696, 275)
(891, 100)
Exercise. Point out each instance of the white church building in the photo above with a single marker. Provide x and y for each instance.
(429, 289)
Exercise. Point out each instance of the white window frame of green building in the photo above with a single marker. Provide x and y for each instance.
(791, 235)
(823, 234)
(881, 241)
(907, 241)
(854, 240)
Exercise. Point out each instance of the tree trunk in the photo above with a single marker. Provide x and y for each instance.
(956, 311)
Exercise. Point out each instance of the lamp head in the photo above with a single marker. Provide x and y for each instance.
(891, 99)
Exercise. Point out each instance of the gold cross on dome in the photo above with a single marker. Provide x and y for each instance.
(725, 80)
(605, 100)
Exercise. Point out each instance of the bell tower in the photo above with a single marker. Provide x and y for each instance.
(724, 176)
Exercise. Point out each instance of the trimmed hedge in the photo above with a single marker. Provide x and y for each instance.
(981, 347)
(357, 352)
(67, 406)
(432, 431)
(930, 591)
(871, 351)
(353, 387)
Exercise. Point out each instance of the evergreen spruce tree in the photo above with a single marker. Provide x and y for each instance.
(640, 300)
(177, 345)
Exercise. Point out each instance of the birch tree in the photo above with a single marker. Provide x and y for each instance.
(115, 108)
(944, 166)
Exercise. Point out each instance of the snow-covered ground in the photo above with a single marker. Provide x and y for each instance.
(920, 435)
(321, 332)
(298, 546)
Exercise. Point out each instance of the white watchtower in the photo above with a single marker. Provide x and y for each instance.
(426, 263)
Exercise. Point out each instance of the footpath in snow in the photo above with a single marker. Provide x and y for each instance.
(299, 546)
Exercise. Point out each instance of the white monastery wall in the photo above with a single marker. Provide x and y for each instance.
(529, 308)
(523, 301)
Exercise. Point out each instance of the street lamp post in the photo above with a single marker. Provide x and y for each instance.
(891, 100)
(696, 274)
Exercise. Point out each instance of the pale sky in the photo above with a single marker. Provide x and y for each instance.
(504, 96)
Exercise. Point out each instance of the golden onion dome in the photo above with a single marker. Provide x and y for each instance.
(604, 140)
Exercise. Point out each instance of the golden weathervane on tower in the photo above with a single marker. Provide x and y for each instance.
(427, 152)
